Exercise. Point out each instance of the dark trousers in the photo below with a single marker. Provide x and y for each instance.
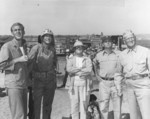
(30, 103)
(18, 103)
(45, 91)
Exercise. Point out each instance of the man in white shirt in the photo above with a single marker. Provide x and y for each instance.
(135, 64)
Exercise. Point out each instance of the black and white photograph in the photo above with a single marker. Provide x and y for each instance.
(74, 59)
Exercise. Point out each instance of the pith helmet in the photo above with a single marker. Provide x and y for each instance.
(78, 43)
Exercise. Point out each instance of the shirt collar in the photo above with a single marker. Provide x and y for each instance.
(112, 52)
(15, 43)
(132, 50)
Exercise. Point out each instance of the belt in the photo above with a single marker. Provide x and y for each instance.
(135, 77)
(43, 74)
(107, 79)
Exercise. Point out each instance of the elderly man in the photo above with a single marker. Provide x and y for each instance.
(13, 62)
(135, 64)
(106, 66)
(79, 68)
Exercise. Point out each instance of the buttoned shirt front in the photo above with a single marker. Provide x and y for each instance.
(107, 63)
(15, 74)
(135, 61)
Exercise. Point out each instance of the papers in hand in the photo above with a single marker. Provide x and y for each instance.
(22, 50)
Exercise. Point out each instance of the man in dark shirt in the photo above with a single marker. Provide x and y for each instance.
(13, 62)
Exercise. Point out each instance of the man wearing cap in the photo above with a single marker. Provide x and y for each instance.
(43, 57)
(79, 68)
(106, 63)
(135, 64)
(13, 60)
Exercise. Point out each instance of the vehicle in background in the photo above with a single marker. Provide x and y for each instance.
(118, 42)
(60, 50)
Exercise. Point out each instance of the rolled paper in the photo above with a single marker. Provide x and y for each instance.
(22, 50)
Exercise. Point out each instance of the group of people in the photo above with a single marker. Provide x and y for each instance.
(111, 68)
(21, 66)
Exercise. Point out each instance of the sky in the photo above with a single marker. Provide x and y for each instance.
(81, 17)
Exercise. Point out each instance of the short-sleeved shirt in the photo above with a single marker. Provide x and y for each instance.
(107, 63)
(15, 74)
(135, 61)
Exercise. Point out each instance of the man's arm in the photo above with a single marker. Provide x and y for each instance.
(97, 68)
(70, 67)
(6, 62)
(32, 56)
(118, 77)
(85, 70)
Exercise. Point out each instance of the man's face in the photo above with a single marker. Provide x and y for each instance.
(47, 39)
(18, 32)
(79, 50)
(130, 42)
(107, 44)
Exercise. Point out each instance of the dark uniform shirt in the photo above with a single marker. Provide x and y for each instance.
(43, 62)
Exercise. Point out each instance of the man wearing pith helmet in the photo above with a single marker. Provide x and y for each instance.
(43, 57)
(106, 66)
(135, 64)
(79, 68)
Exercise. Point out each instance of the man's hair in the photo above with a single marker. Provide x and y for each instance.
(17, 24)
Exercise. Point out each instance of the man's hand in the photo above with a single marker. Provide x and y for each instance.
(75, 70)
(23, 58)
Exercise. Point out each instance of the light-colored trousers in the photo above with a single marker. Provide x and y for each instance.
(79, 102)
(107, 91)
(18, 102)
(138, 92)
(47, 91)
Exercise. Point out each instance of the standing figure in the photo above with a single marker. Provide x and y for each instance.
(135, 64)
(43, 57)
(79, 68)
(13, 61)
(106, 63)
